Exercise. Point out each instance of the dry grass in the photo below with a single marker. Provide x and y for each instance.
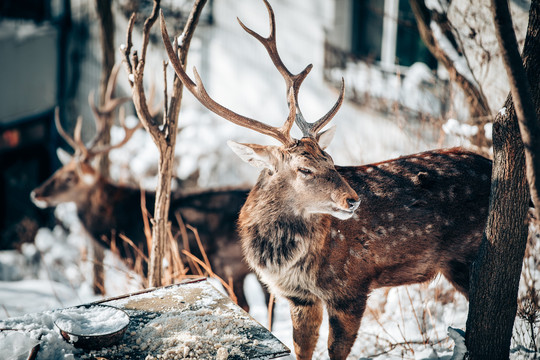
(179, 263)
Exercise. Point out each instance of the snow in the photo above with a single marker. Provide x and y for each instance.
(454, 127)
(440, 6)
(488, 130)
(91, 320)
(460, 350)
(16, 345)
(180, 39)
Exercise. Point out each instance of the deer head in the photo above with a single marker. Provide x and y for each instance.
(77, 175)
(300, 168)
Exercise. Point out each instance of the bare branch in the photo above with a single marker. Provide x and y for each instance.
(424, 18)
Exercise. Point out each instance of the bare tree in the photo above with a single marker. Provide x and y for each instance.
(163, 134)
(521, 93)
(106, 20)
(496, 272)
(106, 35)
(435, 27)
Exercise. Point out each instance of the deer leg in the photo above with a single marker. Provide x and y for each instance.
(457, 273)
(238, 289)
(344, 324)
(98, 281)
(306, 317)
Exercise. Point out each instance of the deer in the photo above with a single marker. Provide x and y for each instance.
(325, 236)
(111, 212)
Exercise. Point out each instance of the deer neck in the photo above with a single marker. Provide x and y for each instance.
(94, 207)
(274, 233)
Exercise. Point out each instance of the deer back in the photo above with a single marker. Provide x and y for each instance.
(418, 215)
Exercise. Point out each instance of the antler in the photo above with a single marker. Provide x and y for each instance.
(78, 145)
(75, 142)
(292, 83)
(197, 89)
(100, 114)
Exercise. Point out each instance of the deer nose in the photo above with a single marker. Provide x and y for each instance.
(353, 203)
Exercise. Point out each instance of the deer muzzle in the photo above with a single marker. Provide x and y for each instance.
(42, 204)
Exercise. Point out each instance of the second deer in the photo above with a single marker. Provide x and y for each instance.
(325, 235)
(109, 211)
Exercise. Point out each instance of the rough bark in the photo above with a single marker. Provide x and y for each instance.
(106, 20)
(521, 91)
(106, 35)
(496, 272)
(164, 137)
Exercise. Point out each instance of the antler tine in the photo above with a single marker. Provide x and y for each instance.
(80, 147)
(293, 109)
(311, 129)
(110, 105)
(111, 84)
(61, 130)
(270, 45)
(198, 90)
(75, 142)
(128, 134)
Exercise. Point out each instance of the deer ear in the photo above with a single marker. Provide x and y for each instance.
(325, 138)
(63, 156)
(255, 155)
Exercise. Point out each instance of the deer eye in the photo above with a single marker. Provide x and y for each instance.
(69, 178)
(305, 171)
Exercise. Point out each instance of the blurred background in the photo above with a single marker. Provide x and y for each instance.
(400, 98)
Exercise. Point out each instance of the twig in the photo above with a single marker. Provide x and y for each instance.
(199, 243)
(130, 243)
(185, 240)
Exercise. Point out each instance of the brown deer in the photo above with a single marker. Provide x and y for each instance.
(108, 210)
(320, 234)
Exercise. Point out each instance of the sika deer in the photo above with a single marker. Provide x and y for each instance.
(319, 234)
(108, 210)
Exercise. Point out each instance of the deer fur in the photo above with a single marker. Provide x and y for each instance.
(418, 216)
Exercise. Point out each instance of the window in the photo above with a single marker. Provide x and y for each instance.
(386, 32)
(409, 46)
(368, 16)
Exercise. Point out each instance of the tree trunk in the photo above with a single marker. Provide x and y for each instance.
(166, 141)
(107, 63)
(496, 272)
(520, 89)
(106, 32)
(160, 221)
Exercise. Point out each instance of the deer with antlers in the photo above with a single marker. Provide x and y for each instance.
(320, 234)
(112, 213)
